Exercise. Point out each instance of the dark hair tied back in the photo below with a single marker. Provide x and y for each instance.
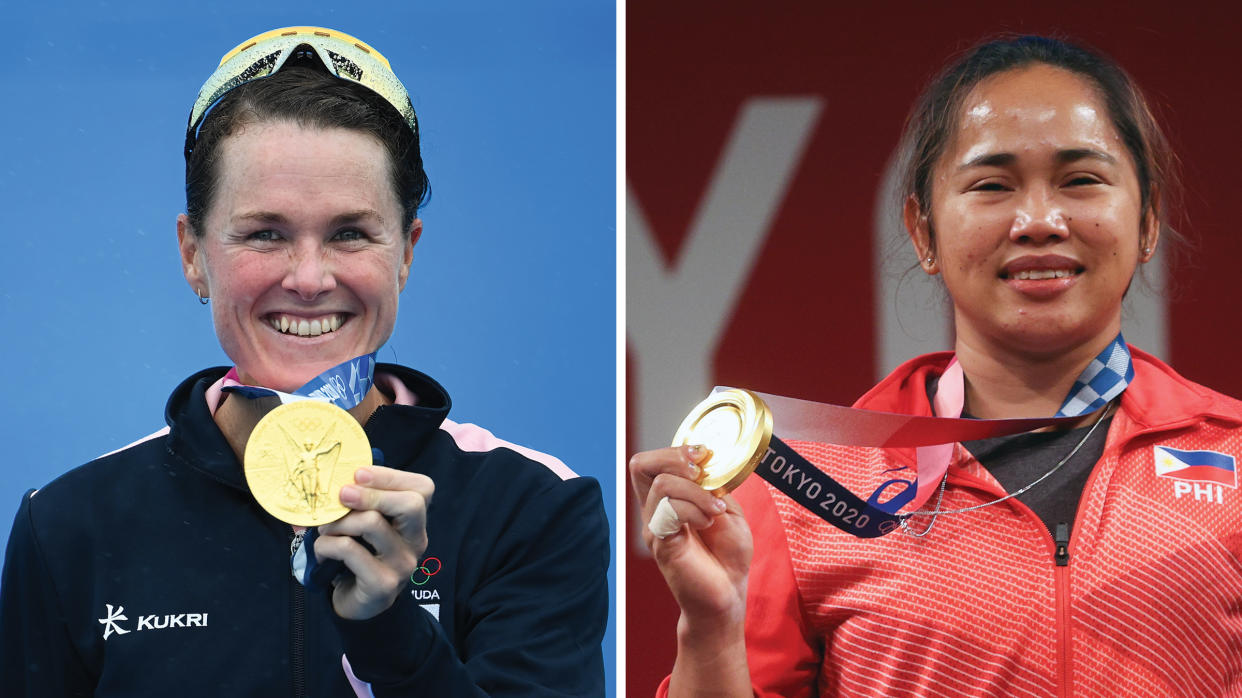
(310, 98)
(931, 125)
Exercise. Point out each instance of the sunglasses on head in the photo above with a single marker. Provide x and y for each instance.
(340, 54)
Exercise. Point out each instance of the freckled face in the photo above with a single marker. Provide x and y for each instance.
(1036, 213)
(303, 254)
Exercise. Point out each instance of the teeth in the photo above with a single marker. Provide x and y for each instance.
(304, 328)
(1043, 274)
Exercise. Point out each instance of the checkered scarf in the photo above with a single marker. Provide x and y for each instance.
(1104, 379)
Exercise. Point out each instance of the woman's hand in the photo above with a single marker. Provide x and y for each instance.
(390, 514)
(706, 561)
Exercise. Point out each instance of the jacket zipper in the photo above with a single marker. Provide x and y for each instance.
(1061, 577)
(1061, 547)
(1062, 558)
(297, 615)
(1061, 580)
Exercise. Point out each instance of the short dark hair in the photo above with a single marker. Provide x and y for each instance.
(310, 98)
(930, 125)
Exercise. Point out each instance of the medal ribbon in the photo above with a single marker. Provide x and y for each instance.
(1105, 378)
(343, 385)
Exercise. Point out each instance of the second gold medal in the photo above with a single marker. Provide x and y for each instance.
(736, 426)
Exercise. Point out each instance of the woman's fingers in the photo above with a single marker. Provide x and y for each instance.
(389, 513)
(365, 565)
(681, 461)
(684, 502)
(665, 481)
(670, 515)
(700, 542)
(389, 543)
(401, 497)
(382, 478)
(706, 568)
(665, 521)
(371, 588)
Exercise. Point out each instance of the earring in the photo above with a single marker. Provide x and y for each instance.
(929, 261)
(201, 299)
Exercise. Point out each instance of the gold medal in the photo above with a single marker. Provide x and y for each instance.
(298, 458)
(737, 426)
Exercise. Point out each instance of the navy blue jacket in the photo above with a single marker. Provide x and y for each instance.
(152, 571)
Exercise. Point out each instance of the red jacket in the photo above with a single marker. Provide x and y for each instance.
(1149, 602)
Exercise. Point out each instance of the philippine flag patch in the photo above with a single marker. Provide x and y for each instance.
(1196, 466)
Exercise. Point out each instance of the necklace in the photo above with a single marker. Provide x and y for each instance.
(937, 511)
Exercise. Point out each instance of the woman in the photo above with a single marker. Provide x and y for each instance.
(154, 570)
(1099, 559)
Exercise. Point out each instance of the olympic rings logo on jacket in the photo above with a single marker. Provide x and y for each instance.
(423, 573)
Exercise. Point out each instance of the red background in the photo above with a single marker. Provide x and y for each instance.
(691, 65)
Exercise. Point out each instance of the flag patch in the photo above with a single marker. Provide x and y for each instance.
(1196, 466)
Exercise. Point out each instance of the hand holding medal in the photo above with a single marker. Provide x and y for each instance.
(308, 462)
(725, 436)
(735, 426)
(703, 544)
(381, 540)
(717, 446)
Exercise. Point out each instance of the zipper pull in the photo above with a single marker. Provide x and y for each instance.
(1062, 540)
(296, 542)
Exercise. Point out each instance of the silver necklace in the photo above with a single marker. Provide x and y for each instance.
(937, 511)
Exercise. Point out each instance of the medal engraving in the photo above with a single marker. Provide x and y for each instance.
(298, 458)
(736, 426)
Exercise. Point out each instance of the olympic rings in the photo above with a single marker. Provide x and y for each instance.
(426, 573)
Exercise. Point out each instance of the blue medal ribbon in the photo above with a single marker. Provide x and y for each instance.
(1105, 378)
(343, 385)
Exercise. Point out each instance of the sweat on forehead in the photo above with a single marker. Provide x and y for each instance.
(936, 115)
(1023, 102)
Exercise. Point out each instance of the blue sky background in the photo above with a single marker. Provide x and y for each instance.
(511, 299)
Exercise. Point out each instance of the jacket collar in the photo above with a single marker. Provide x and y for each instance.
(1157, 398)
(399, 431)
(904, 391)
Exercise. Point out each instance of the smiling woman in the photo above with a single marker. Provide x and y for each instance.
(1048, 225)
(153, 570)
(302, 252)
(1039, 564)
